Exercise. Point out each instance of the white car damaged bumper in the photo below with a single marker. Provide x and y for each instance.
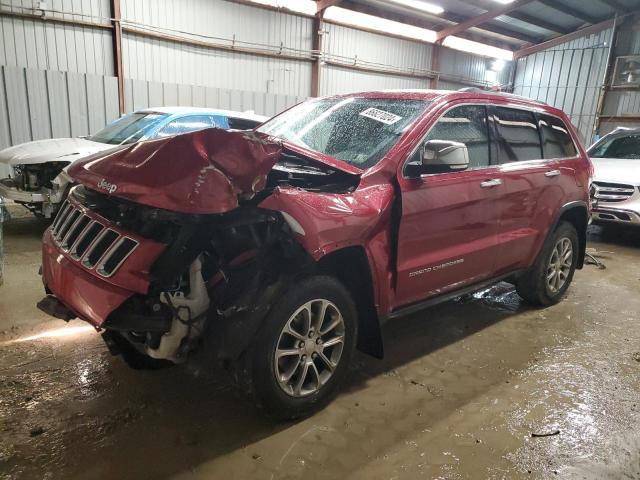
(615, 203)
(48, 199)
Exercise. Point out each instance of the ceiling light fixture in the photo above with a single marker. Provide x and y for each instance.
(371, 22)
(420, 5)
(477, 48)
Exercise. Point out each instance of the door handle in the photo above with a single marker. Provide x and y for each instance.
(494, 182)
(552, 173)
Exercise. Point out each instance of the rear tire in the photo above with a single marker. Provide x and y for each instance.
(548, 280)
(301, 355)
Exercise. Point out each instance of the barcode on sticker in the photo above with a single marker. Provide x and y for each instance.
(380, 116)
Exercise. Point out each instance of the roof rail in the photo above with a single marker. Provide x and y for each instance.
(504, 94)
(472, 90)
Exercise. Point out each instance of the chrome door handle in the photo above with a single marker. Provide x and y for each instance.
(494, 182)
(552, 173)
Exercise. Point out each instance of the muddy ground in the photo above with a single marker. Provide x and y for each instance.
(462, 389)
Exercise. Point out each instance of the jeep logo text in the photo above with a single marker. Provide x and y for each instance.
(109, 187)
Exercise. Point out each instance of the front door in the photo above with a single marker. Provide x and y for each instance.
(448, 229)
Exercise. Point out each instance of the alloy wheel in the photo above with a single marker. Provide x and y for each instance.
(559, 265)
(309, 348)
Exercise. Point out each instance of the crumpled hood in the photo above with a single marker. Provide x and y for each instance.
(52, 150)
(616, 170)
(203, 172)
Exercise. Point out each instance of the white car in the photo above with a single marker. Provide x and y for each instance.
(38, 178)
(615, 190)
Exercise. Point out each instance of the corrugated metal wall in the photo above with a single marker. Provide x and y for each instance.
(221, 22)
(38, 104)
(59, 77)
(142, 94)
(53, 46)
(461, 65)
(568, 77)
(344, 45)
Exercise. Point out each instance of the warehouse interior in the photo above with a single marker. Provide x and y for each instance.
(481, 386)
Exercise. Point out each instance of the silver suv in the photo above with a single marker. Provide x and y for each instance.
(615, 191)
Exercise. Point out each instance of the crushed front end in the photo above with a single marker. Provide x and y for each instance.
(154, 280)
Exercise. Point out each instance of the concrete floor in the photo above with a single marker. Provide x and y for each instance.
(461, 391)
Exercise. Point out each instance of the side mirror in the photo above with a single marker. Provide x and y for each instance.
(440, 156)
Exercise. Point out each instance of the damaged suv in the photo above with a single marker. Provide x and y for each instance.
(281, 250)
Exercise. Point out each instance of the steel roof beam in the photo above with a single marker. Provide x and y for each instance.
(554, 42)
(523, 17)
(561, 7)
(480, 19)
(324, 4)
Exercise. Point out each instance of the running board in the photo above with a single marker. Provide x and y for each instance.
(445, 297)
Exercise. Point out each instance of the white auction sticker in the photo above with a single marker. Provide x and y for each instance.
(380, 116)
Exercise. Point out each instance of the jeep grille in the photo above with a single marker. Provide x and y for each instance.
(89, 242)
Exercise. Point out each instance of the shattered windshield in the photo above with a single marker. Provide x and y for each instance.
(128, 129)
(359, 131)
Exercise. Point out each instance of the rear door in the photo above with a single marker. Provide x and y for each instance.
(447, 236)
(532, 189)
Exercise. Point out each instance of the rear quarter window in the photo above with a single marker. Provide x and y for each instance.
(556, 139)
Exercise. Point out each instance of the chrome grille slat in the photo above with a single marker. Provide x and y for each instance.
(612, 192)
(87, 259)
(61, 218)
(76, 223)
(89, 242)
(93, 231)
(66, 226)
(61, 214)
(119, 243)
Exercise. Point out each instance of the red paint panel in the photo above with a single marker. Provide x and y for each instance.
(199, 173)
(89, 297)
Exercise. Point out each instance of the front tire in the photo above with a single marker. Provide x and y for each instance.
(301, 355)
(548, 280)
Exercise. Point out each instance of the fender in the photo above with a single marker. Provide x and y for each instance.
(582, 236)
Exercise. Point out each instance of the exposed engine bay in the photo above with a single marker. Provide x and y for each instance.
(219, 273)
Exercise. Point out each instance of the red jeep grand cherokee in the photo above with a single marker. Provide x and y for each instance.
(283, 249)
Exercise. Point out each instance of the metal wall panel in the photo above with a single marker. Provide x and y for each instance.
(462, 65)
(354, 46)
(568, 77)
(38, 104)
(219, 22)
(53, 46)
(337, 80)
(143, 94)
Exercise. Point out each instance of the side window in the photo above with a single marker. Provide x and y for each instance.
(242, 123)
(518, 138)
(185, 124)
(556, 139)
(465, 124)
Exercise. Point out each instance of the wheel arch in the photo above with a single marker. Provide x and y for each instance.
(577, 214)
(350, 265)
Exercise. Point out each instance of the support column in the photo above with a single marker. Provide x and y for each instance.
(316, 46)
(435, 65)
(117, 51)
